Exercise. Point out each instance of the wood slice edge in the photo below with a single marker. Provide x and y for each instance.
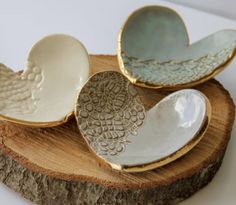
(43, 186)
(44, 189)
(214, 157)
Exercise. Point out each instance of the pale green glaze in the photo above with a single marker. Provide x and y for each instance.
(144, 28)
(155, 49)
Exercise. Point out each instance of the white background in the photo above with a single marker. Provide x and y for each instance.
(96, 24)
(226, 8)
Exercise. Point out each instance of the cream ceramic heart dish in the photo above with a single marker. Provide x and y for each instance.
(154, 50)
(115, 125)
(46, 92)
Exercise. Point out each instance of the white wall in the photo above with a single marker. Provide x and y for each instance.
(226, 8)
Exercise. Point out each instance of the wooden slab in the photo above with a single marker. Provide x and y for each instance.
(54, 166)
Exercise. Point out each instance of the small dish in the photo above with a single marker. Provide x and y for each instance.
(154, 50)
(45, 93)
(116, 127)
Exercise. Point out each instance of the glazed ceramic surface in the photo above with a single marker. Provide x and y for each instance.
(46, 92)
(114, 123)
(154, 50)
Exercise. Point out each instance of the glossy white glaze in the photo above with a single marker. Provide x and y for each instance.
(169, 126)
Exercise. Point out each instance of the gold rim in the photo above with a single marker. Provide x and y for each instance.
(37, 124)
(160, 86)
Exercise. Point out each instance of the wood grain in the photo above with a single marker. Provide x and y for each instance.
(54, 165)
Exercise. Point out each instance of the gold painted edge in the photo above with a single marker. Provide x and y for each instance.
(37, 124)
(161, 86)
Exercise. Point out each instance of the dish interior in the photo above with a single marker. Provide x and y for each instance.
(154, 49)
(168, 127)
(46, 91)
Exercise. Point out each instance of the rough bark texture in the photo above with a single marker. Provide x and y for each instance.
(46, 190)
(53, 165)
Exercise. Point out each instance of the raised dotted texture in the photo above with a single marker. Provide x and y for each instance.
(17, 91)
(173, 73)
(108, 110)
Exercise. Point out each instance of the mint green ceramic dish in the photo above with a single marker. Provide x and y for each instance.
(154, 50)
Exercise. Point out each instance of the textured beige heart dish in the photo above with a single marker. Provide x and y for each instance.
(45, 93)
(118, 129)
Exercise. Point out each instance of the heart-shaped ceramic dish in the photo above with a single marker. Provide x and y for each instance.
(45, 93)
(154, 50)
(116, 127)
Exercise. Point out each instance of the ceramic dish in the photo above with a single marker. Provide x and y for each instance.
(116, 127)
(45, 93)
(154, 50)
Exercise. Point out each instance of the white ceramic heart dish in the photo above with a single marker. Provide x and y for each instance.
(116, 127)
(45, 93)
